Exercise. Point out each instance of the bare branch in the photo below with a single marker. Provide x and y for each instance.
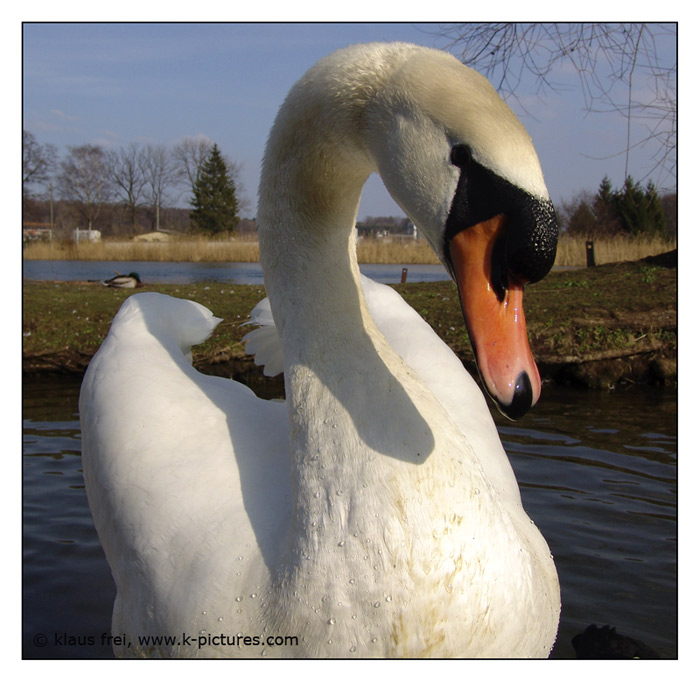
(84, 180)
(620, 67)
(37, 160)
(190, 155)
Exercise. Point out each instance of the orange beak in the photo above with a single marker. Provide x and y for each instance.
(495, 320)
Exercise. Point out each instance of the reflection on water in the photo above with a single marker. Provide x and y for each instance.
(597, 473)
(67, 585)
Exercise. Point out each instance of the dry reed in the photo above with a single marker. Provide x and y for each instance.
(176, 250)
(405, 252)
(571, 251)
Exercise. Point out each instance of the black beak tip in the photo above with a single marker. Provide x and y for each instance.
(522, 399)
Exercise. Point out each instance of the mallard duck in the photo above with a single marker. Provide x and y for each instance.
(130, 281)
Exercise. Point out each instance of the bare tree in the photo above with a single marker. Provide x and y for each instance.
(621, 68)
(234, 170)
(128, 173)
(160, 175)
(85, 180)
(190, 155)
(38, 161)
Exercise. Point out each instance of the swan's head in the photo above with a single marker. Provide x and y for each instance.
(463, 168)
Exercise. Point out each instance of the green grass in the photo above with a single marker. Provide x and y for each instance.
(73, 319)
(627, 308)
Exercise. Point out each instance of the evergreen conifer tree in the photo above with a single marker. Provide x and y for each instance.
(582, 221)
(607, 222)
(215, 207)
(630, 210)
(638, 210)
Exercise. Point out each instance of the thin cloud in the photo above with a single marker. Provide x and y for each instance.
(63, 115)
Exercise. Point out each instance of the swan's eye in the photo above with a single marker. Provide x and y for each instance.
(461, 155)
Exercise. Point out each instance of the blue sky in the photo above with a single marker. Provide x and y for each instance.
(112, 84)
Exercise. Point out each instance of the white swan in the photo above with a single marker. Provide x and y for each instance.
(375, 514)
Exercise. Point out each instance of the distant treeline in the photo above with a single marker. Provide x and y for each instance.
(127, 191)
(112, 221)
(132, 189)
(631, 210)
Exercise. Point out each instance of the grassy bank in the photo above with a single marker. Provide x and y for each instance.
(594, 326)
(571, 252)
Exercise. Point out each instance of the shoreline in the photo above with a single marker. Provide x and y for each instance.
(601, 327)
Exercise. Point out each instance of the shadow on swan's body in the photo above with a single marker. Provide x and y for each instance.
(376, 513)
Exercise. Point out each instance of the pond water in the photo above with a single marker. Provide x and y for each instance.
(597, 473)
(187, 273)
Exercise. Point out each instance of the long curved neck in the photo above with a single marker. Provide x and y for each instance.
(377, 465)
(317, 160)
(308, 255)
(338, 367)
(316, 163)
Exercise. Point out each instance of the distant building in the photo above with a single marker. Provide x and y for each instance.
(33, 232)
(387, 228)
(153, 237)
(87, 235)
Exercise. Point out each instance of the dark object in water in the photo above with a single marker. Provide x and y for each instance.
(605, 643)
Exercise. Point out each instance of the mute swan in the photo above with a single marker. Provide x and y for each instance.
(375, 513)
